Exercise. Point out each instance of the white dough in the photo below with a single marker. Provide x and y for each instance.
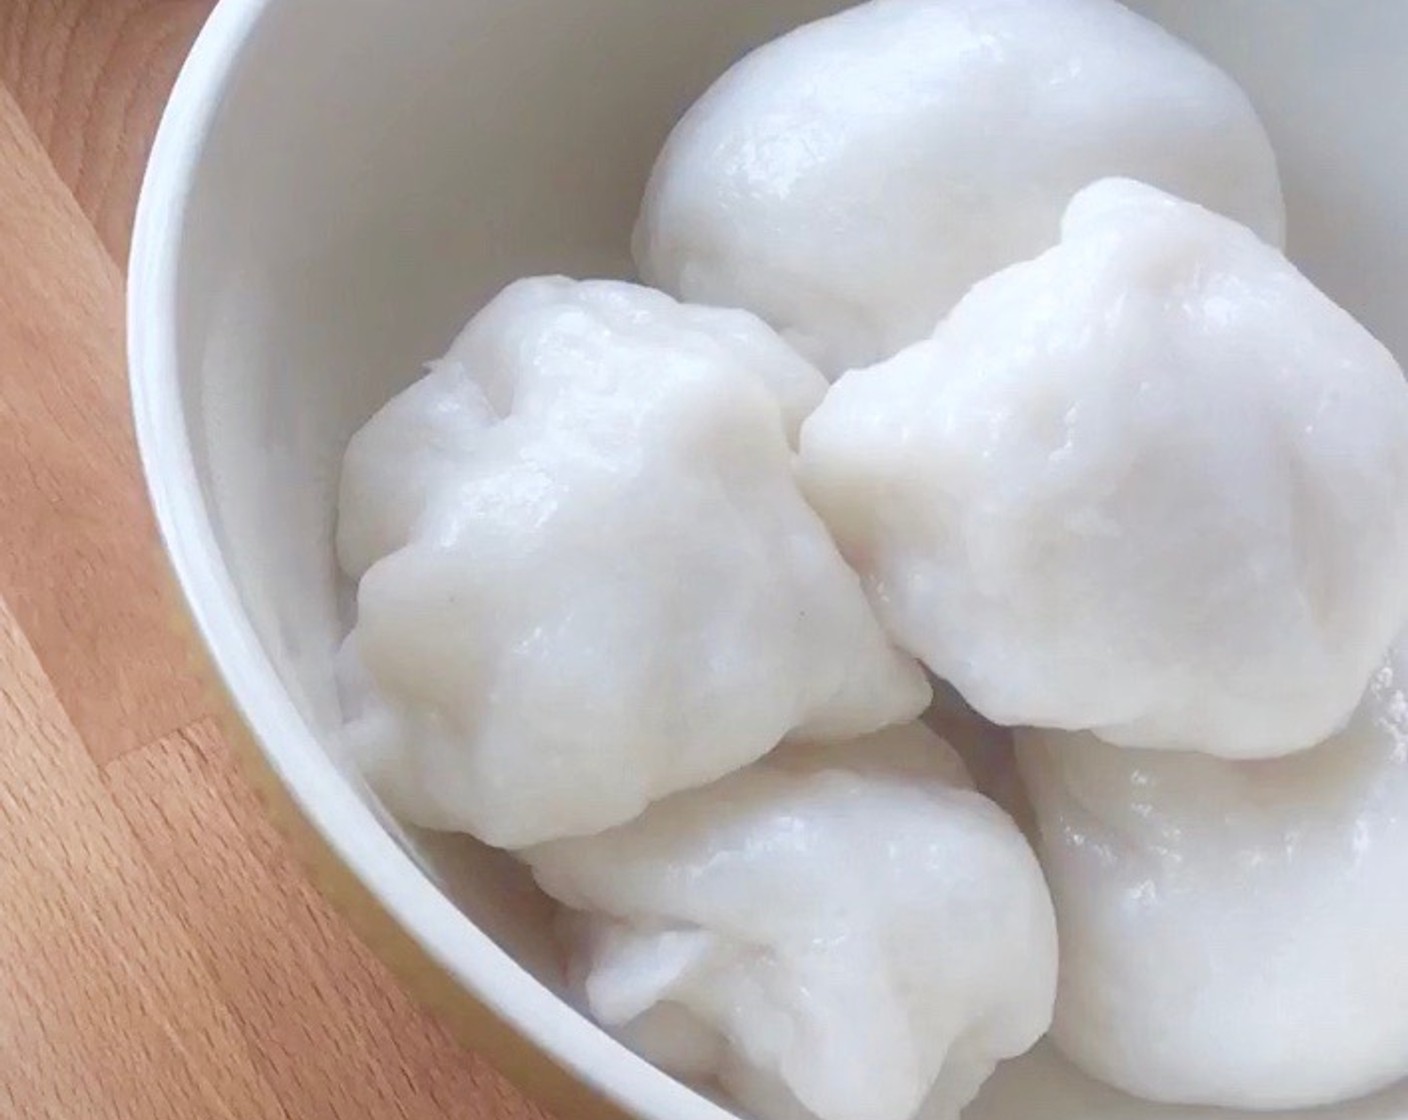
(839, 932)
(1233, 933)
(588, 578)
(851, 180)
(1151, 484)
(396, 462)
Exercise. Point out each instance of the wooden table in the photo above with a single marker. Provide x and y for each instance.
(160, 954)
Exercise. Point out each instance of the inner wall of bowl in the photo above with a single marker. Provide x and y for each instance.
(377, 171)
(372, 177)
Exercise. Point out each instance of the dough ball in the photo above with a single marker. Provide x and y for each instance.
(844, 933)
(1232, 933)
(1151, 484)
(588, 577)
(850, 181)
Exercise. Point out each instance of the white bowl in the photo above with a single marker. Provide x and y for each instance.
(338, 184)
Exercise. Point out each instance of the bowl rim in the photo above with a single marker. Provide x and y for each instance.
(436, 950)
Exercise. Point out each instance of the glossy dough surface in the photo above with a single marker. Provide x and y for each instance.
(1233, 933)
(1151, 484)
(851, 180)
(836, 932)
(587, 576)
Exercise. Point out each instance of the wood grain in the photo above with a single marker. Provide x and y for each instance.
(161, 957)
(92, 76)
(78, 561)
(319, 1004)
(108, 1010)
